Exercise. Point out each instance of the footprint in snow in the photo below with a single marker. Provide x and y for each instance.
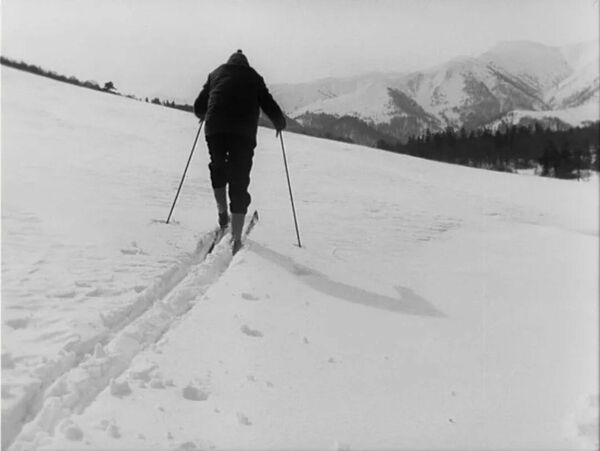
(143, 372)
(243, 419)
(119, 389)
(83, 284)
(194, 393)
(74, 433)
(62, 294)
(113, 431)
(71, 431)
(249, 297)
(157, 383)
(18, 323)
(251, 332)
(98, 291)
(301, 271)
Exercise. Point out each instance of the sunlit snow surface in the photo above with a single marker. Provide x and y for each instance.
(432, 306)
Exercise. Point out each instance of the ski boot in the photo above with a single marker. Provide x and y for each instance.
(237, 225)
(223, 220)
(221, 198)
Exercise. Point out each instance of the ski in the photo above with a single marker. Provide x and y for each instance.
(251, 223)
(219, 234)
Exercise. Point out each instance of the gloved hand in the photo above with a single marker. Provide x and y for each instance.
(280, 126)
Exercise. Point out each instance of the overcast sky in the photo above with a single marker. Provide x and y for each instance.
(167, 47)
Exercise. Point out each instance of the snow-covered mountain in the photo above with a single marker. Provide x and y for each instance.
(582, 84)
(470, 92)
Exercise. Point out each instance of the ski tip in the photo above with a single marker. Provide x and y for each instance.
(251, 223)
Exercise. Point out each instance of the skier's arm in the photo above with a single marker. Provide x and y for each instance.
(201, 103)
(270, 107)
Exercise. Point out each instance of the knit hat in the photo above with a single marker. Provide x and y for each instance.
(238, 58)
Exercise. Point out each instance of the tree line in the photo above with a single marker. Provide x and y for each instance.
(563, 153)
(90, 84)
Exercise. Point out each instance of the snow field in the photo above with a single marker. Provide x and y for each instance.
(432, 306)
(318, 368)
(72, 392)
(84, 251)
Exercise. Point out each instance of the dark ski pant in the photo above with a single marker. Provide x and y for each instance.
(230, 165)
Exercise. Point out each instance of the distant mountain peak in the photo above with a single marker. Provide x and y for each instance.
(462, 92)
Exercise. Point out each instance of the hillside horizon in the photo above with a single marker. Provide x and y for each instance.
(362, 118)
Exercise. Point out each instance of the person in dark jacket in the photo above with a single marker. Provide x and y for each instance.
(229, 104)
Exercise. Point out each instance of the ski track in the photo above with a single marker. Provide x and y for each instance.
(68, 384)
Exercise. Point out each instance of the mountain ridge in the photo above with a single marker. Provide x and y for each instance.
(465, 91)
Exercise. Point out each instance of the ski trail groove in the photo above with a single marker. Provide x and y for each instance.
(73, 356)
(75, 390)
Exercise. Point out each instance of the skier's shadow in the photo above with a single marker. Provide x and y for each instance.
(407, 302)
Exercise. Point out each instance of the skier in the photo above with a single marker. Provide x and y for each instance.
(229, 104)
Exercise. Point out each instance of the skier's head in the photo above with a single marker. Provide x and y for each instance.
(238, 58)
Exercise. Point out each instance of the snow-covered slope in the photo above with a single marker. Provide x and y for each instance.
(582, 86)
(85, 179)
(432, 306)
(296, 97)
(370, 101)
(539, 66)
(465, 91)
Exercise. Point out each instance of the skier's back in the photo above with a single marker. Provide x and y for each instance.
(229, 103)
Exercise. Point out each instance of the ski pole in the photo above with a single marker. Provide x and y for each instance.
(287, 174)
(185, 171)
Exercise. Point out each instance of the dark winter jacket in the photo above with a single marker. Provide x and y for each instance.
(231, 97)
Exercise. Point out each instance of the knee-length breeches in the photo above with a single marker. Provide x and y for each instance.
(230, 165)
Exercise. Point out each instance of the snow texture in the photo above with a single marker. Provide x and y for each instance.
(431, 306)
